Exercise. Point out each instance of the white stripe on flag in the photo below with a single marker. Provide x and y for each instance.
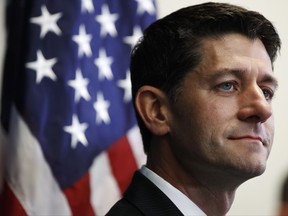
(135, 140)
(103, 185)
(28, 174)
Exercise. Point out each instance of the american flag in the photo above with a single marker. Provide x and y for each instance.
(70, 143)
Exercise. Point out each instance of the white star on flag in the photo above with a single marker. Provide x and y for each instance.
(87, 5)
(77, 132)
(145, 6)
(103, 63)
(43, 67)
(133, 39)
(80, 86)
(126, 85)
(101, 107)
(83, 40)
(47, 22)
(107, 22)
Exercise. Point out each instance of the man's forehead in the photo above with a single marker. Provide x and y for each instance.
(233, 49)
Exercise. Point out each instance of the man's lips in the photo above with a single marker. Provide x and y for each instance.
(247, 137)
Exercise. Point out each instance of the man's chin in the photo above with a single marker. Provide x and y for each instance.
(252, 172)
(245, 173)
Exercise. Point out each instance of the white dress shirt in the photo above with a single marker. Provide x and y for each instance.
(182, 202)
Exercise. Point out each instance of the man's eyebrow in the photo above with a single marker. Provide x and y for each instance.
(225, 72)
(270, 79)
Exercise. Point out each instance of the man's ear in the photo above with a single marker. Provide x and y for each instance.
(153, 107)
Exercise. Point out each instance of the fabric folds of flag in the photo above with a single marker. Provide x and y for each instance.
(69, 142)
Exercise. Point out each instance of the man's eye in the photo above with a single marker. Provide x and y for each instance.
(227, 86)
(268, 94)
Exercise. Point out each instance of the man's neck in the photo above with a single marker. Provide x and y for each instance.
(212, 197)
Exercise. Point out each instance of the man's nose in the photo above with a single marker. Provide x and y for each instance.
(254, 107)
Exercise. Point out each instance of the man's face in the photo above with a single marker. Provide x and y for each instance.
(222, 119)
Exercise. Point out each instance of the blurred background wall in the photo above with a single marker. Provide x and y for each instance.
(258, 196)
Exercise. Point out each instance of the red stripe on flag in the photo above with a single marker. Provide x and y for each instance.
(123, 163)
(9, 204)
(78, 197)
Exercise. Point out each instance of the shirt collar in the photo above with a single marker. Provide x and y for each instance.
(182, 202)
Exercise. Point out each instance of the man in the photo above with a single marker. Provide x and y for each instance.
(202, 84)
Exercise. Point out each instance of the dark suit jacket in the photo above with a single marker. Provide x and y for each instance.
(143, 198)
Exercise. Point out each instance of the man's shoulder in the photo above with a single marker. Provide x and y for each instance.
(126, 205)
(124, 208)
(143, 197)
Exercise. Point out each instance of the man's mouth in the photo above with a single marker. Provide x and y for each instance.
(247, 137)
